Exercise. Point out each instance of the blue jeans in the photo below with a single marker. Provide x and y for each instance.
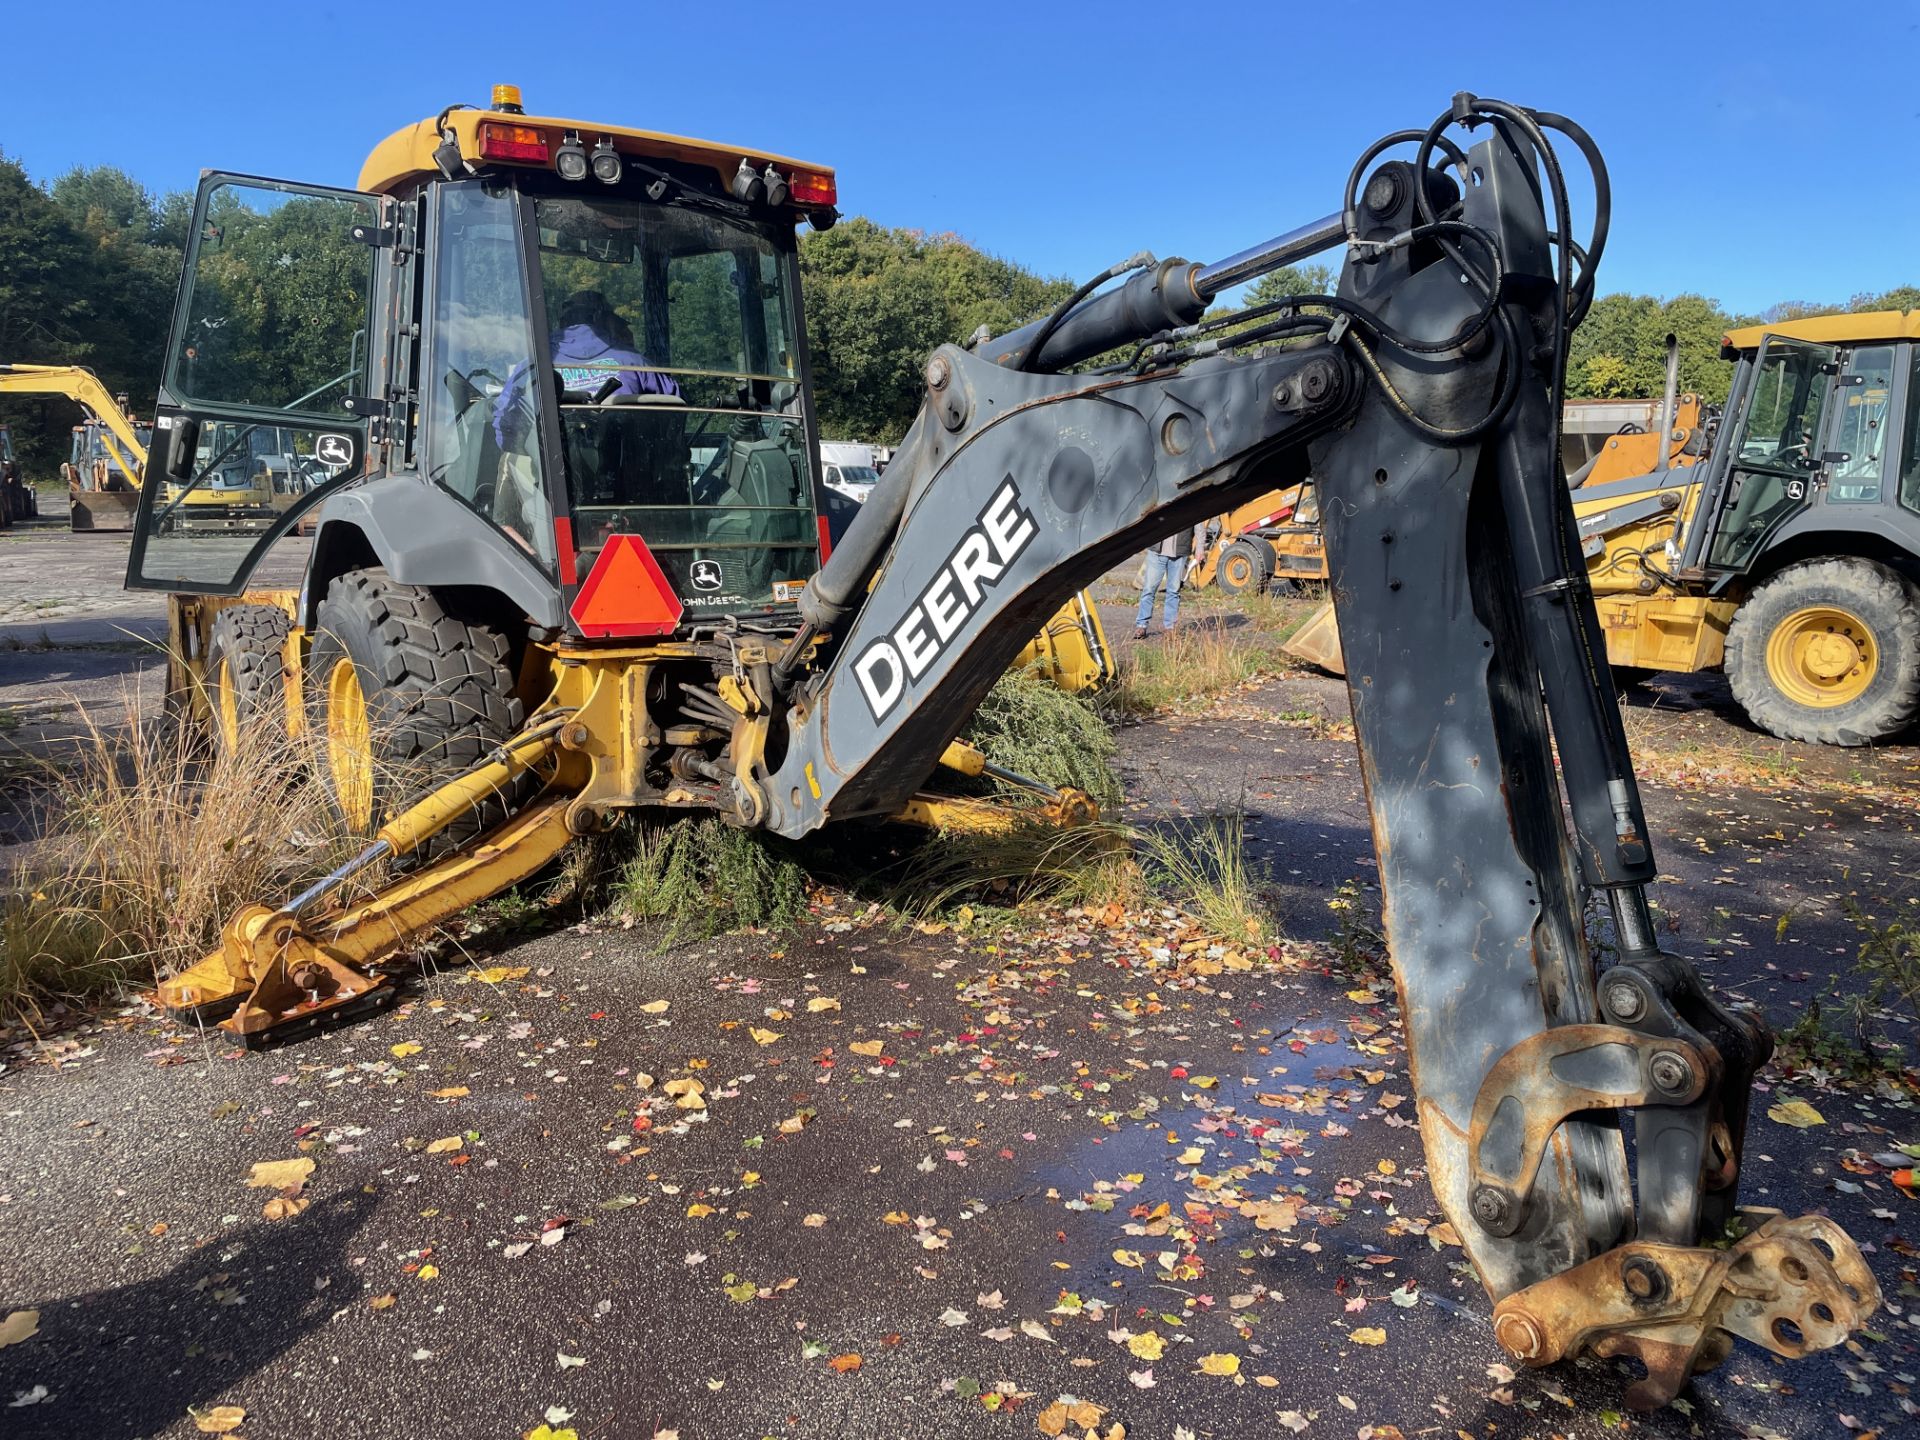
(1161, 567)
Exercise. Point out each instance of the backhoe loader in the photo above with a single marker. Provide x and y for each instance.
(109, 448)
(568, 568)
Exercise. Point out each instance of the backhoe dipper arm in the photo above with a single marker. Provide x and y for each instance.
(1424, 407)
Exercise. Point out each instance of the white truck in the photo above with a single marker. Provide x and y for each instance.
(850, 468)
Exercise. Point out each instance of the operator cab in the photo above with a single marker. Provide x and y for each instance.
(587, 338)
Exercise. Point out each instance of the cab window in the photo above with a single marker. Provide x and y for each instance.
(1862, 404)
(671, 343)
(482, 435)
(1910, 432)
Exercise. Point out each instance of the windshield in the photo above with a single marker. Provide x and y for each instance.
(671, 338)
(859, 475)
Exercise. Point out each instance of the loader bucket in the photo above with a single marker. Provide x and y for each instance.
(103, 509)
(1318, 642)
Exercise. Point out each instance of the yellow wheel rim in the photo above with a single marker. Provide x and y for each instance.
(1239, 571)
(226, 706)
(349, 748)
(1822, 657)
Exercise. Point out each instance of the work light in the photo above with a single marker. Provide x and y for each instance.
(571, 158)
(606, 162)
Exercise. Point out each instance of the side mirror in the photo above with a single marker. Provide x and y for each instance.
(181, 447)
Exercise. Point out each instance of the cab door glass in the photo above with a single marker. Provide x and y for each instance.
(483, 442)
(264, 394)
(1910, 441)
(1862, 409)
(1774, 454)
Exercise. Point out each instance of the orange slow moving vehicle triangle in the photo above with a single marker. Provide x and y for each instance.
(626, 593)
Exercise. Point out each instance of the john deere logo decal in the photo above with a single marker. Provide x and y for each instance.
(705, 574)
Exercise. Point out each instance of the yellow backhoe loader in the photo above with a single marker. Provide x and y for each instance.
(567, 566)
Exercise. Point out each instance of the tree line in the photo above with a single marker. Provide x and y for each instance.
(89, 263)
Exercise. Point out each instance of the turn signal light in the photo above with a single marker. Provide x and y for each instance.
(812, 188)
(513, 142)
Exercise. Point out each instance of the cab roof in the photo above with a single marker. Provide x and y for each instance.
(1828, 330)
(407, 155)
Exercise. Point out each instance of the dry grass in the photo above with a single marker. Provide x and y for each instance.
(1200, 864)
(152, 843)
(1200, 661)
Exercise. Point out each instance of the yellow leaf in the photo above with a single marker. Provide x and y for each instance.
(1360, 997)
(428, 1272)
(1266, 1382)
(446, 1145)
(1205, 1082)
(547, 1432)
(384, 1302)
(1149, 1346)
(495, 974)
(279, 1174)
(699, 1210)
(868, 1048)
(1227, 1363)
(1368, 1335)
(1192, 1155)
(281, 1208)
(218, 1419)
(20, 1325)
(655, 1007)
(1133, 1259)
(1387, 1167)
(1796, 1113)
(452, 1092)
(822, 1002)
(763, 1037)
(897, 1217)
(1053, 1419)
(406, 1048)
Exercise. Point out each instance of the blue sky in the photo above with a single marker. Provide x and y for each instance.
(1065, 136)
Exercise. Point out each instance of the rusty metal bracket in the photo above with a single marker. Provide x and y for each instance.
(1793, 1286)
(1535, 1086)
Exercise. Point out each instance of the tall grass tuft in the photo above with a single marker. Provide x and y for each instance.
(1197, 662)
(151, 843)
(704, 877)
(1200, 864)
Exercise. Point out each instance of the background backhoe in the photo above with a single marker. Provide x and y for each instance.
(568, 565)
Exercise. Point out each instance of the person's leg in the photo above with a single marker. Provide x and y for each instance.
(1155, 562)
(1176, 568)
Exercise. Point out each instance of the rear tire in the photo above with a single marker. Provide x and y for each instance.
(1244, 565)
(1828, 651)
(405, 696)
(246, 678)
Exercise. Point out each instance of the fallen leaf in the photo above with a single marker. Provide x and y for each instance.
(868, 1048)
(655, 1007)
(845, 1363)
(953, 1318)
(569, 1362)
(20, 1325)
(813, 1222)
(452, 1092)
(280, 1174)
(1150, 1346)
(764, 1037)
(406, 1048)
(384, 1302)
(821, 1003)
(495, 974)
(1797, 1113)
(283, 1208)
(1293, 1420)
(1133, 1259)
(699, 1210)
(218, 1419)
(1368, 1335)
(1224, 1363)
(427, 1272)
(446, 1146)
(547, 1432)
(1034, 1330)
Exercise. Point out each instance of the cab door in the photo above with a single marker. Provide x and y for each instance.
(1774, 454)
(272, 351)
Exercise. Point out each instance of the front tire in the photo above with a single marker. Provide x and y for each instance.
(246, 678)
(1828, 651)
(405, 695)
(1245, 565)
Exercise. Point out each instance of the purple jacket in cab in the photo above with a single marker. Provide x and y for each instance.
(581, 357)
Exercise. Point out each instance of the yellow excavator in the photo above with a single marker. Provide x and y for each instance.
(109, 448)
(568, 565)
